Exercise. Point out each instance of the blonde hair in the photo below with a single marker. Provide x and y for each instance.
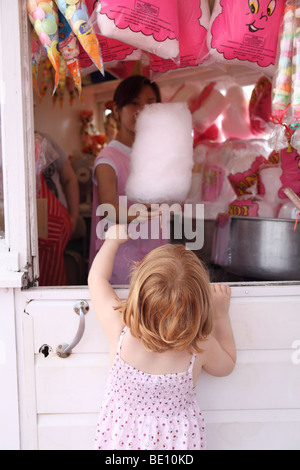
(169, 303)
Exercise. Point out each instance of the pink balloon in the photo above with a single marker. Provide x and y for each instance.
(38, 14)
(44, 38)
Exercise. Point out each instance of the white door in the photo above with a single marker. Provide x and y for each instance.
(61, 395)
(57, 398)
(255, 408)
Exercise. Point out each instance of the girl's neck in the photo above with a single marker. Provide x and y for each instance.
(126, 139)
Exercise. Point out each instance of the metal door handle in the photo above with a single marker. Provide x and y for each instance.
(80, 308)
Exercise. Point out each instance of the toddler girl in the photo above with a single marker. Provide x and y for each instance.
(173, 325)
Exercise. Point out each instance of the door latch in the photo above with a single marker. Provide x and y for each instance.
(80, 308)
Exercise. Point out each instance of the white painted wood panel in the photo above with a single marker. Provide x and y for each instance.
(9, 413)
(256, 407)
(226, 430)
(75, 385)
(252, 318)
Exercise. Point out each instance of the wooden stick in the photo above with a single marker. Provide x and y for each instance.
(292, 197)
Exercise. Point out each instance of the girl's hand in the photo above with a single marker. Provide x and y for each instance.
(117, 233)
(221, 299)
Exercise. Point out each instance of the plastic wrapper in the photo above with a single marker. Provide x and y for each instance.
(291, 208)
(69, 48)
(210, 183)
(113, 51)
(77, 15)
(252, 206)
(60, 90)
(45, 155)
(264, 175)
(151, 27)
(193, 18)
(260, 108)
(207, 107)
(258, 192)
(296, 65)
(270, 184)
(288, 211)
(46, 78)
(243, 167)
(289, 160)
(44, 18)
(282, 81)
(199, 157)
(236, 120)
(36, 58)
(295, 139)
(277, 139)
(243, 32)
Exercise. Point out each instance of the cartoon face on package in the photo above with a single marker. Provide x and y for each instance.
(246, 30)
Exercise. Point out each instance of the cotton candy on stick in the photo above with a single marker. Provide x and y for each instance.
(43, 15)
(162, 155)
(76, 13)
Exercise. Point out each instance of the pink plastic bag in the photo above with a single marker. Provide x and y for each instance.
(243, 207)
(207, 108)
(282, 80)
(246, 31)
(236, 121)
(193, 17)
(152, 27)
(252, 206)
(260, 107)
(112, 50)
(286, 82)
(44, 19)
(77, 15)
(243, 181)
(289, 160)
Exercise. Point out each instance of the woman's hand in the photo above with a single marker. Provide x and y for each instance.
(145, 212)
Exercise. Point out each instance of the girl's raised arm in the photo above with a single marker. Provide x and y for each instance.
(220, 349)
(103, 296)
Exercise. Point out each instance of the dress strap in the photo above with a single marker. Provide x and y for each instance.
(121, 339)
(191, 366)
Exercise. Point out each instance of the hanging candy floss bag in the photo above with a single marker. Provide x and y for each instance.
(246, 31)
(286, 83)
(69, 48)
(77, 15)
(111, 49)
(193, 20)
(44, 18)
(152, 27)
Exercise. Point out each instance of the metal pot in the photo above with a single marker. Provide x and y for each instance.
(259, 249)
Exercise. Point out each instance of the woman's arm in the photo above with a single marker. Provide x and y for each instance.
(107, 194)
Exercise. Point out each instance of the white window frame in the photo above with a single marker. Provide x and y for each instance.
(19, 249)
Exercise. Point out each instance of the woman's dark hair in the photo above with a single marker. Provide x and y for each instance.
(131, 87)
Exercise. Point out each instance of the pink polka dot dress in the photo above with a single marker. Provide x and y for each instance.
(149, 412)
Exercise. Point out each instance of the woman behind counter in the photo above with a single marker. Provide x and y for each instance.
(112, 168)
